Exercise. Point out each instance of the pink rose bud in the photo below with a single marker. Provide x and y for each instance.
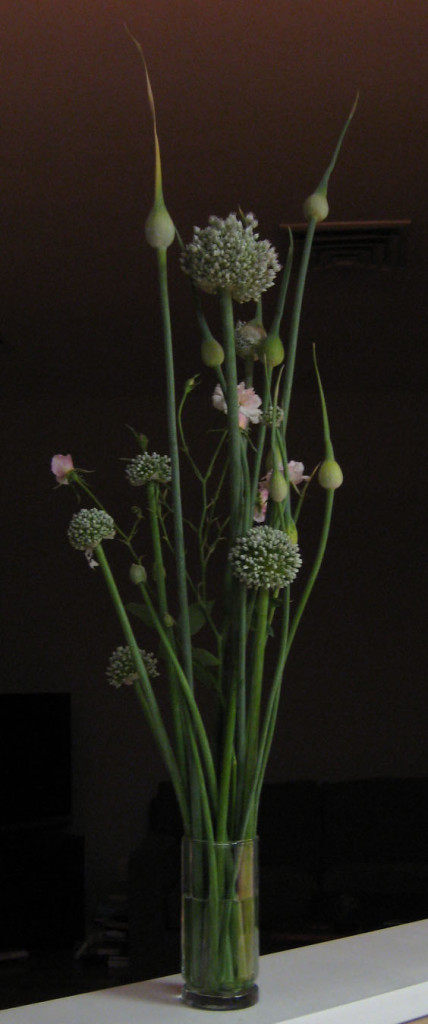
(61, 466)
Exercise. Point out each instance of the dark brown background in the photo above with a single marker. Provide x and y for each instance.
(250, 99)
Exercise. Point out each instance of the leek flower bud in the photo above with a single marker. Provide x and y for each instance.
(316, 206)
(137, 573)
(212, 353)
(278, 487)
(159, 227)
(272, 350)
(330, 474)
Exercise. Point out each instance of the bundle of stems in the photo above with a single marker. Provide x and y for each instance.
(217, 770)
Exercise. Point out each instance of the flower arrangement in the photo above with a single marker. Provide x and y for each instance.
(251, 499)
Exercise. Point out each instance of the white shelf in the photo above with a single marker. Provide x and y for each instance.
(376, 978)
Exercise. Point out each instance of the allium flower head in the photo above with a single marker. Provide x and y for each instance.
(249, 404)
(248, 336)
(121, 669)
(147, 467)
(268, 416)
(88, 527)
(266, 558)
(228, 254)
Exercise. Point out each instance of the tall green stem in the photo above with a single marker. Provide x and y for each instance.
(234, 443)
(155, 719)
(295, 323)
(152, 494)
(180, 556)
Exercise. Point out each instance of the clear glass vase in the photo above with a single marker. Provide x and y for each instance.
(220, 939)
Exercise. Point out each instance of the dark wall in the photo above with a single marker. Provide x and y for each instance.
(250, 99)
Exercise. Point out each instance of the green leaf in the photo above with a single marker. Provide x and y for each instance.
(197, 616)
(141, 612)
(205, 658)
(203, 675)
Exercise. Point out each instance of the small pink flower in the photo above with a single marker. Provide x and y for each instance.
(61, 466)
(295, 473)
(296, 477)
(249, 404)
(260, 508)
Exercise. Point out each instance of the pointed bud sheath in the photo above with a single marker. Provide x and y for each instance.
(212, 353)
(316, 206)
(270, 460)
(291, 531)
(278, 488)
(330, 475)
(137, 573)
(272, 350)
(159, 227)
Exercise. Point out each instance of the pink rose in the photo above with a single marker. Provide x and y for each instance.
(249, 404)
(61, 466)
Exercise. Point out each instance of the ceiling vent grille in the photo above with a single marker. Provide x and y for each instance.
(355, 243)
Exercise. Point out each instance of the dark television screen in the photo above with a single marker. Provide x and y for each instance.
(35, 758)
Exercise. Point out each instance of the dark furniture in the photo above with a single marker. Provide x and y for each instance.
(335, 858)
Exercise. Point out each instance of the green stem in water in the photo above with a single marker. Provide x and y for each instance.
(254, 701)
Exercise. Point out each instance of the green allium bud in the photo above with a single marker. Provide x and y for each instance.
(212, 353)
(330, 474)
(159, 227)
(269, 462)
(278, 488)
(137, 573)
(316, 206)
(272, 350)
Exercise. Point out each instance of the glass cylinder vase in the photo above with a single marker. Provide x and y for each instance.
(220, 940)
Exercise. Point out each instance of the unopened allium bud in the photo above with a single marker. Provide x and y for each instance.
(137, 573)
(212, 353)
(330, 474)
(159, 227)
(270, 460)
(316, 206)
(272, 350)
(278, 486)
